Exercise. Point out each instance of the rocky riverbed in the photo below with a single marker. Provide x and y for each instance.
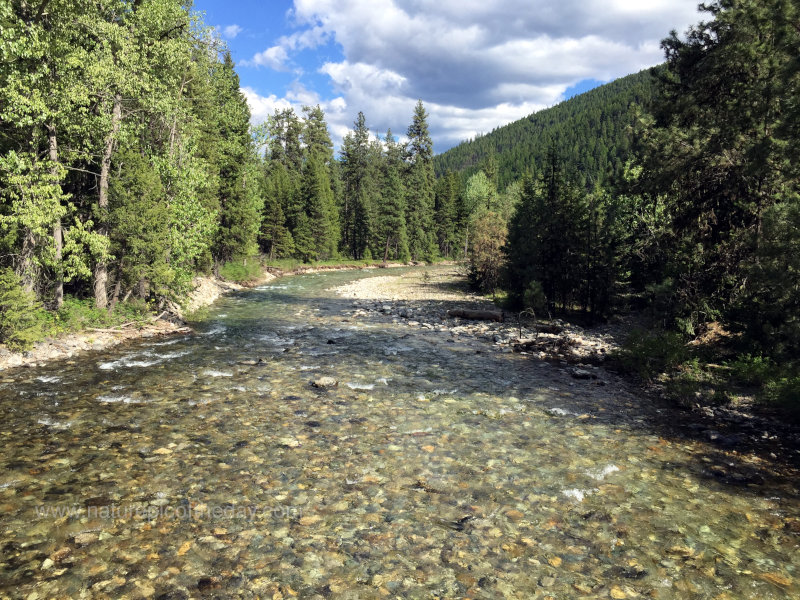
(422, 300)
(296, 445)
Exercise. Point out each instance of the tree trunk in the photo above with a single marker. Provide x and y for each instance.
(101, 269)
(115, 296)
(477, 315)
(25, 265)
(58, 237)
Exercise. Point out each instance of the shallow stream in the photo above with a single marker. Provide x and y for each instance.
(207, 465)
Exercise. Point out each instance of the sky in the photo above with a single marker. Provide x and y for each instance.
(475, 64)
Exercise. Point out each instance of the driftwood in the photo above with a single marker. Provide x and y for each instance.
(112, 329)
(476, 315)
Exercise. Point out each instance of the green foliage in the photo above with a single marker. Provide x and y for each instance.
(242, 270)
(78, 314)
(448, 227)
(34, 199)
(752, 370)
(785, 393)
(534, 298)
(768, 310)
(359, 189)
(139, 224)
(239, 198)
(486, 257)
(565, 240)
(712, 151)
(20, 313)
(391, 214)
(651, 353)
(320, 211)
(275, 239)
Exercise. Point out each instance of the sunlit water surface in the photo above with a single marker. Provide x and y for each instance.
(438, 467)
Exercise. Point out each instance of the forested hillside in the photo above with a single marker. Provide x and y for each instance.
(592, 132)
(702, 227)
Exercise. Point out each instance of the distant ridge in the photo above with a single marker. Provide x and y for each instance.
(591, 132)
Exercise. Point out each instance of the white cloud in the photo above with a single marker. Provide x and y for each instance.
(262, 107)
(274, 58)
(231, 31)
(475, 64)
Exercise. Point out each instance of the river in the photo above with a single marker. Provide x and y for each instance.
(208, 465)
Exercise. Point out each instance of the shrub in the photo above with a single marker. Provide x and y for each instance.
(753, 370)
(248, 269)
(785, 392)
(21, 316)
(534, 298)
(650, 353)
(76, 314)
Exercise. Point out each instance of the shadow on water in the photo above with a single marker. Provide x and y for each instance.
(728, 444)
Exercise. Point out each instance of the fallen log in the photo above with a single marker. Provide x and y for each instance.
(476, 315)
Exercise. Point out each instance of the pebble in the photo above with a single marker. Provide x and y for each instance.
(86, 538)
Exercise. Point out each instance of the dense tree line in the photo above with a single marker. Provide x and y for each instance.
(126, 162)
(702, 224)
(378, 201)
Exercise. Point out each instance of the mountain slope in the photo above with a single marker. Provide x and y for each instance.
(591, 132)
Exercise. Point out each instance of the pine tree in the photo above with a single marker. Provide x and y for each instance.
(319, 211)
(546, 239)
(240, 209)
(275, 238)
(319, 170)
(358, 190)
(419, 185)
(712, 147)
(391, 217)
(446, 215)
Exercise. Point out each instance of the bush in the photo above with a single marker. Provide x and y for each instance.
(21, 316)
(752, 370)
(785, 392)
(486, 257)
(534, 298)
(650, 353)
(76, 314)
(248, 269)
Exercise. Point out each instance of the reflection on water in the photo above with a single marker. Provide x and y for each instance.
(208, 465)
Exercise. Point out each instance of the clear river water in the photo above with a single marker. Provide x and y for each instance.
(208, 465)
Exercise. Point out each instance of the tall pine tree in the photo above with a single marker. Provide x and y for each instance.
(419, 183)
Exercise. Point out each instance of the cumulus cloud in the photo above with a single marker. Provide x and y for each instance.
(475, 64)
(231, 31)
(273, 58)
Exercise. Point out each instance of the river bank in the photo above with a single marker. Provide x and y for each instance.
(207, 290)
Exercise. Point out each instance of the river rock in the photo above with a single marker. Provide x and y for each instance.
(324, 383)
(86, 538)
(582, 374)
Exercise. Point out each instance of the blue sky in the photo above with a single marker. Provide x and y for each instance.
(475, 64)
